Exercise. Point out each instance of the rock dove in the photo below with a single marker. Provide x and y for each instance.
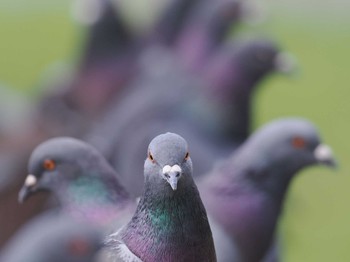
(214, 115)
(79, 176)
(233, 74)
(244, 194)
(90, 196)
(107, 63)
(170, 222)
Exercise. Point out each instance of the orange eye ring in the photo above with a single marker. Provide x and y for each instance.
(150, 157)
(187, 155)
(49, 164)
(298, 142)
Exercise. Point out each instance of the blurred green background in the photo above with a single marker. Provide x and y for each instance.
(315, 224)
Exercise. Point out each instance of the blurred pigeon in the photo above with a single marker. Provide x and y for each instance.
(170, 222)
(71, 103)
(91, 197)
(209, 25)
(233, 75)
(107, 63)
(79, 176)
(214, 115)
(172, 20)
(53, 237)
(244, 194)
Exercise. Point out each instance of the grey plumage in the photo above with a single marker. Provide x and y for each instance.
(53, 237)
(91, 198)
(170, 222)
(214, 116)
(244, 195)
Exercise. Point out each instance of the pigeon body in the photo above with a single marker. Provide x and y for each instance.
(244, 195)
(53, 237)
(170, 222)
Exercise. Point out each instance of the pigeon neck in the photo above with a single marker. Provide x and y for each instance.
(247, 216)
(231, 94)
(170, 225)
(245, 195)
(107, 37)
(93, 192)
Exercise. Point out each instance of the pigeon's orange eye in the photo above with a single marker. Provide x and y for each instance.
(187, 155)
(150, 156)
(298, 142)
(49, 164)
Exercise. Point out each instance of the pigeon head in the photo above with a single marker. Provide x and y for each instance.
(168, 162)
(281, 149)
(57, 162)
(259, 57)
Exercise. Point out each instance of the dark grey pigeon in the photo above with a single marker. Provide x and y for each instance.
(106, 64)
(232, 76)
(244, 194)
(170, 222)
(214, 116)
(207, 28)
(172, 20)
(92, 201)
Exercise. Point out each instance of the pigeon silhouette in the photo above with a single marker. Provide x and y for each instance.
(244, 194)
(170, 222)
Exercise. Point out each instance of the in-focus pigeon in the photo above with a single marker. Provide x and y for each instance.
(170, 222)
(244, 195)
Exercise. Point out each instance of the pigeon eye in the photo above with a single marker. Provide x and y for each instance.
(298, 142)
(150, 157)
(49, 164)
(187, 155)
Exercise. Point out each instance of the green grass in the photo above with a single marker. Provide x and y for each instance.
(315, 225)
(32, 40)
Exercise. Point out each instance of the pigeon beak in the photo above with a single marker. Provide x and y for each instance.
(324, 155)
(172, 175)
(27, 188)
(285, 63)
